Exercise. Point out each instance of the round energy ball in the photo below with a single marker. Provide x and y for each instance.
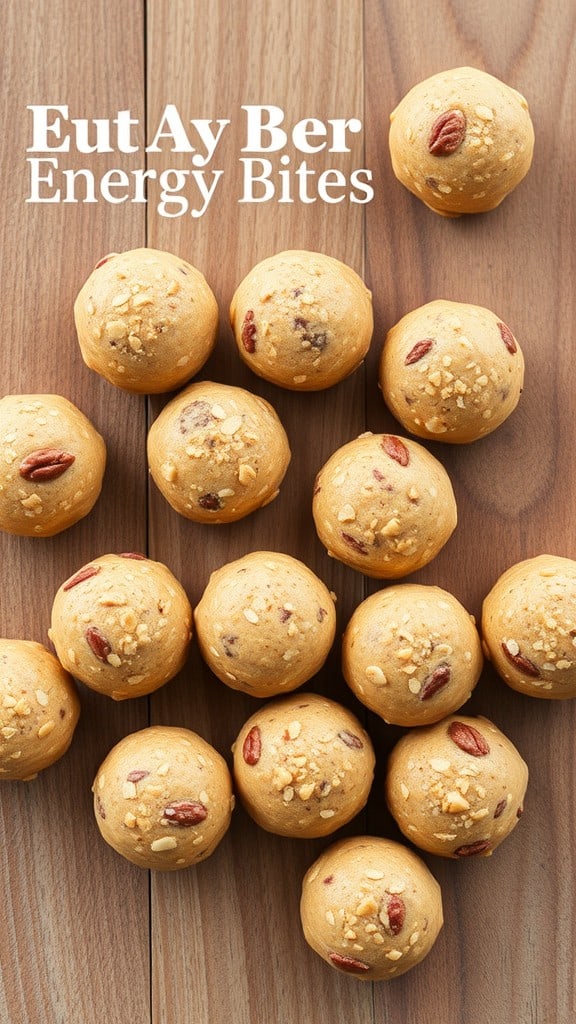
(303, 766)
(52, 465)
(302, 320)
(217, 453)
(39, 709)
(461, 141)
(122, 625)
(456, 788)
(146, 320)
(411, 654)
(371, 908)
(529, 627)
(450, 371)
(383, 505)
(163, 798)
(265, 623)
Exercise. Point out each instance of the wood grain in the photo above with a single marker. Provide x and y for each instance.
(73, 922)
(84, 936)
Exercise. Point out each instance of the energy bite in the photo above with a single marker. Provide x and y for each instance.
(451, 372)
(461, 141)
(265, 623)
(52, 465)
(122, 625)
(217, 453)
(163, 798)
(456, 788)
(411, 654)
(303, 766)
(302, 320)
(383, 505)
(371, 908)
(529, 627)
(146, 320)
(39, 709)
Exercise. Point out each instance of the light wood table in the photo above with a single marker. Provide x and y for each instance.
(86, 938)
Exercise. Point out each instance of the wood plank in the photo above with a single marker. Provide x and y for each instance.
(236, 916)
(506, 914)
(74, 917)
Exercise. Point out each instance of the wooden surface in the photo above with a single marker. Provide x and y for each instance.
(84, 936)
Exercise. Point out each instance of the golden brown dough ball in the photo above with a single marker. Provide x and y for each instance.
(383, 505)
(303, 766)
(265, 623)
(451, 372)
(529, 627)
(39, 709)
(370, 908)
(302, 320)
(456, 788)
(52, 465)
(122, 624)
(146, 320)
(163, 798)
(461, 141)
(217, 453)
(411, 654)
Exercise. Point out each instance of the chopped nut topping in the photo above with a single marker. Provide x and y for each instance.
(163, 844)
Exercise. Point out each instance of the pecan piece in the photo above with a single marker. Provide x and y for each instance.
(473, 849)
(357, 545)
(252, 746)
(211, 502)
(437, 679)
(347, 963)
(316, 339)
(185, 813)
(97, 642)
(396, 912)
(508, 338)
(350, 739)
(85, 573)
(45, 464)
(519, 660)
(468, 739)
(500, 807)
(195, 416)
(447, 133)
(249, 330)
(395, 449)
(419, 349)
(105, 259)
